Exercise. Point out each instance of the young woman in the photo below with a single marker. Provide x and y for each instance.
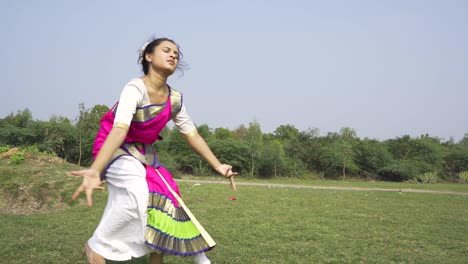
(144, 212)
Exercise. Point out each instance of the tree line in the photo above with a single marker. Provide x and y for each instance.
(286, 152)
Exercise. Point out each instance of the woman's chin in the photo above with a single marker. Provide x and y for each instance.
(166, 71)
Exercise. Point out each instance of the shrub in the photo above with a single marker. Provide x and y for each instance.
(400, 170)
(294, 168)
(32, 149)
(17, 158)
(463, 177)
(428, 177)
(4, 148)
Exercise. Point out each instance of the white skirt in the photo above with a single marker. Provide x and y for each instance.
(121, 233)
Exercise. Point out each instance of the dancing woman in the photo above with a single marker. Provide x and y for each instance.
(144, 212)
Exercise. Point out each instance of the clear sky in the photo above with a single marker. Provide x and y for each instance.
(385, 68)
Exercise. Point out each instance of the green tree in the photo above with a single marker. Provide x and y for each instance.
(401, 170)
(401, 148)
(430, 152)
(254, 141)
(224, 133)
(372, 155)
(272, 160)
(88, 125)
(464, 140)
(20, 129)
(60, 137)
(306, 147)
(231, 151)
(456, 160)
(240, 132)
(414, 156)
(185, 159)
(339, 153)
(285, 132)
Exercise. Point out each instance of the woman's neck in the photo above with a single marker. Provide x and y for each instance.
(155, 81)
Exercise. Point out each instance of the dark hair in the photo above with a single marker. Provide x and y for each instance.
(150, 48)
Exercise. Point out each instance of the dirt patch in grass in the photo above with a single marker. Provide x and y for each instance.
(37, 185)
(30, 199)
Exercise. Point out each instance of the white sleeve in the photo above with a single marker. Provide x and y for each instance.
(183, 122)
(130, 98)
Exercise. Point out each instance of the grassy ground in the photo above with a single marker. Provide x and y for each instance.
(265, 225)
(351, 182)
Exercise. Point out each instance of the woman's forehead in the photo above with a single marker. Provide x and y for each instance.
(168, 44)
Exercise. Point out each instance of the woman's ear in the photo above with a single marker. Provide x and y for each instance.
(148, 57)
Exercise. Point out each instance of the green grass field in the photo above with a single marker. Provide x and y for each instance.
(265, 225)
(350, 182)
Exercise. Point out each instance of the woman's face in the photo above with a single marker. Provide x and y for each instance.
(165, 58)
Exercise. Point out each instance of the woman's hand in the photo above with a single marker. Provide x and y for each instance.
(91, 181)
(200, 146)
(226, 170)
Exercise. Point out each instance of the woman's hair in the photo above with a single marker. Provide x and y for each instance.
(149, 48)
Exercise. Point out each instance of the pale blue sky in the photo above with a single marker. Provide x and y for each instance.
(384, 68)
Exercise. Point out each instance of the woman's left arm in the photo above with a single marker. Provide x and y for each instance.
(199, 145)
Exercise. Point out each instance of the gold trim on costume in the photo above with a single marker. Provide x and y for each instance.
(164, 204)
(146, 113)
(121, 125)
(177, 245)
(149, 157)
(192, 133)
(176, 102)
(209, 240)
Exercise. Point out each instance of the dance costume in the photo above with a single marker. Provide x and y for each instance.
(144, 212)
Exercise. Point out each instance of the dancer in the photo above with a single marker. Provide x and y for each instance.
(144, 212)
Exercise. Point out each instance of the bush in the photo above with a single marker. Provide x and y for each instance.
(17, 158)
(4, 149)
(400, 170)
(202, 169)
(294, 168)
(168, 162)
(32, 149)
(428, 177)
(463, 177)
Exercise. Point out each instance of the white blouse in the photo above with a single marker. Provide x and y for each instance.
(135, 95)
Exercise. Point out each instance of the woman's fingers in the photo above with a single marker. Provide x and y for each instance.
(230, 173)
(227, 171)
(77, 192)
(76, 173)
(90, 182)
(89, 195)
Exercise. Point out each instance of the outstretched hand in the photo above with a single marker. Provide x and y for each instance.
(91, 181)
(226, 171)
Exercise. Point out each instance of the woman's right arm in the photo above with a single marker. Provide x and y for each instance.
(92, 176)
(113, 141)
(130, 97)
